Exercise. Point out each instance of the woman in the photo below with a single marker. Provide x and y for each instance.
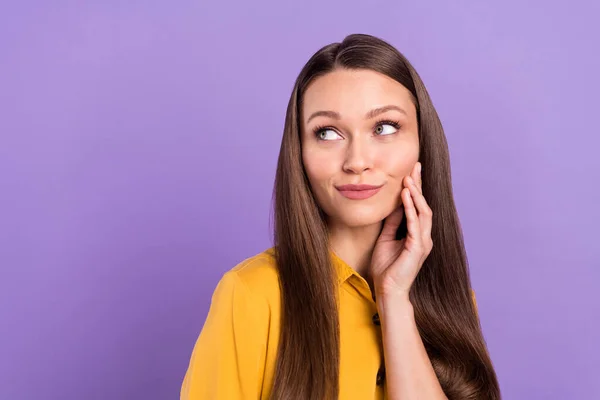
(366, 293)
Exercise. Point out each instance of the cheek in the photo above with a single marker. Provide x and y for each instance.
(398, 162)
(400, 168)
(318, 170)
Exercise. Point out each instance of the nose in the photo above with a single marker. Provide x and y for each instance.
(358, 157)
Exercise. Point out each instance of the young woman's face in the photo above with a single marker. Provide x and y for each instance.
(359, 127)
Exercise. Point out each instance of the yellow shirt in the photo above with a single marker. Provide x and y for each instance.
(235, 354)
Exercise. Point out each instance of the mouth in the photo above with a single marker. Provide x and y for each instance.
(358, 192)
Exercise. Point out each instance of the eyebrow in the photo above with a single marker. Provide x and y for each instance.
(371, 114)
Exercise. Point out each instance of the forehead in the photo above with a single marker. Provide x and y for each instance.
(354, 91)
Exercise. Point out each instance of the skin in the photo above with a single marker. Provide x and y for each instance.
(354, 148)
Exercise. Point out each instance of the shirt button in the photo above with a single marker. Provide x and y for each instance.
(376, 319)
(380, 376)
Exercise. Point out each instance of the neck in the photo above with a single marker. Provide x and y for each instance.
(354, 245)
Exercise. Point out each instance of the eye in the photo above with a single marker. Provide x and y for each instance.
(381, 130)
(326, 134)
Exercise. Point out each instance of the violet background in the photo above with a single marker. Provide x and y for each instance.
(138, 143)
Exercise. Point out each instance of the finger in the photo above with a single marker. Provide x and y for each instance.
(391, 224)
(412, 219)
(423, 210)
(416, 176)
(420, 177)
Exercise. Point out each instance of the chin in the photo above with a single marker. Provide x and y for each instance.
(357, 217)
(358, 223)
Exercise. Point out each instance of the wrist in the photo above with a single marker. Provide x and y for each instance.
(391, 293)
(396, 302)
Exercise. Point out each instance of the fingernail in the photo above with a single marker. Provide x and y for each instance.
(419, 168)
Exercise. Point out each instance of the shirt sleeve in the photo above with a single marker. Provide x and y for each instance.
(226, 361)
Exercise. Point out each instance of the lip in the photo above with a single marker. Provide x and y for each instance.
(358, 192)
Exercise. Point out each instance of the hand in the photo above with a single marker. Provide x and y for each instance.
(396, 263)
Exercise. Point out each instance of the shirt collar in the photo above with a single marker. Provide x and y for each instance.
(343, 270)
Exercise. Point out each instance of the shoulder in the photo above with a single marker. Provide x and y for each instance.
(258, 271)
(257, 275)
(474, 298)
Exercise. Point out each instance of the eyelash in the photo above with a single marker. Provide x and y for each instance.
(319, 128)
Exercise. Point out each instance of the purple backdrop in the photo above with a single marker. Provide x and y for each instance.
(137, 154)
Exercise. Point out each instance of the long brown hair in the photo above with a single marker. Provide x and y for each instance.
(308, 355)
